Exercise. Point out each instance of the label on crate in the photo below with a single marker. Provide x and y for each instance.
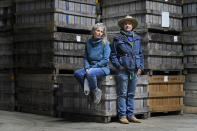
(165, 78)
(165, 19)
(175, 39)
(78, 38)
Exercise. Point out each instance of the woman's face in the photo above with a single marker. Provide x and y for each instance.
(128, 26)
(98, 33)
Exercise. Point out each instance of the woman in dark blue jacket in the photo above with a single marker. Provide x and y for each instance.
(128, 59)
(96, 60)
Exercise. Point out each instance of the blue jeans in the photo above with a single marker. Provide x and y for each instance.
(125, 93)
(92, 74)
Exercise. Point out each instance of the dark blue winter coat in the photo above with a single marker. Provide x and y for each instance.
(122, 53)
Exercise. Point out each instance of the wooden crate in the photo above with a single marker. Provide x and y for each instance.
(162, 51)
(6, 51)
(71, 98)
(6, 3)
(82, 6)
(7, 101)
(35, 93)
(163, 63)
(190, 110)
(147, 12)
(189, 16)
(51, 14)
(165, 93)
(190, 50)
(188, 1)
(189, 37)
(6, 15)
(35, 101)
(7, 91)
(61, 51)
(190, 88)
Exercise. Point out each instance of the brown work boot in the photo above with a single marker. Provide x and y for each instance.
(124, 120)
(134, 120)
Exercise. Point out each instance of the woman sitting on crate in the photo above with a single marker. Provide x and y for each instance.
(96, 60)
(128, 59)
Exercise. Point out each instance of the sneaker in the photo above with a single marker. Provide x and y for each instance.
(124, 120)
(97, 96)
(134, 120)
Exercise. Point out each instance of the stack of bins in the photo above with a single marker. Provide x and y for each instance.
(7, 91)
(72, 100)
(190, 54)
(166, 93)
(160, 25)
(50, 38)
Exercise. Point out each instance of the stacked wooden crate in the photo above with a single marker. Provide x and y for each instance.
(160, 25)
(166, 93)
(190, 54)
(149, 13)
(50, 38)
(7, 91)
(71, 98)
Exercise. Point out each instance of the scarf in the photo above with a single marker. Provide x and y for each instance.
(94, 42)
(127, 34)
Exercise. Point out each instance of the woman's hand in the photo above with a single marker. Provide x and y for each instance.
(87, 70)
(121, 67)
(139, 72)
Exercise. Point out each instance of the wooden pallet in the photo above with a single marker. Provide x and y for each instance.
(176, 112)
(85, 117)
(190, 109)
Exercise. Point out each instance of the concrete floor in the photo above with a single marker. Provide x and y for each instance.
(16, 121)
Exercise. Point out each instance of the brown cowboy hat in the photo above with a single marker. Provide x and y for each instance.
(127, 18)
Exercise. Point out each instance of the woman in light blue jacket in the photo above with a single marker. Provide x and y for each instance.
(96, 60)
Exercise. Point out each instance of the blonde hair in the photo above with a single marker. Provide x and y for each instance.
(104, 31)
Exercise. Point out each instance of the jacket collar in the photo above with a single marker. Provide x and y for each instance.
(120, 37)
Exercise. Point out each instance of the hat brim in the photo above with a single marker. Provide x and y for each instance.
(132, 20)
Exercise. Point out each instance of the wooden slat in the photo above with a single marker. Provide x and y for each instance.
(167, 79)
(166, 94)
(165, 108)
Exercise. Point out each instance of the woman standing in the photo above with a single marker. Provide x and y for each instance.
(128, 59)
(96, 60)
